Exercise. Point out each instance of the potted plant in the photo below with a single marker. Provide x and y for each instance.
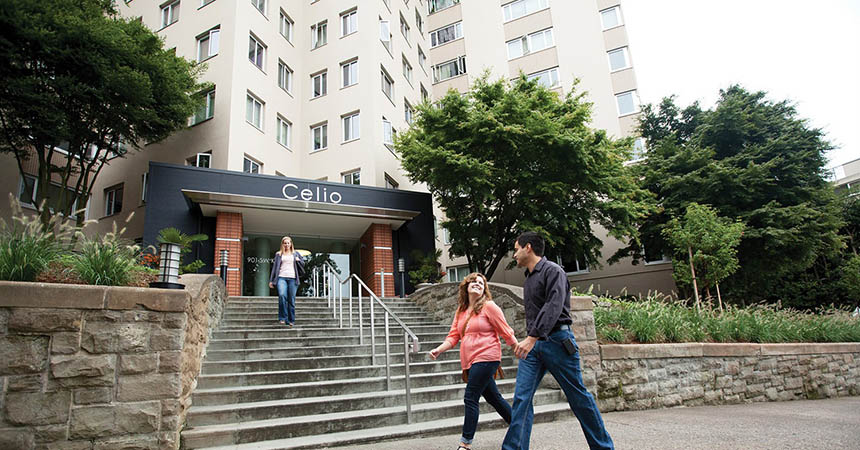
(172, 243)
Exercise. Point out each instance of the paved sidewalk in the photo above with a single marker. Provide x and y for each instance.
(808, 424)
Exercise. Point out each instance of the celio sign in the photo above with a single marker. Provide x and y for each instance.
(292, 192)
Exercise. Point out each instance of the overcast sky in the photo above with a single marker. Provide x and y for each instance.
(806, 51)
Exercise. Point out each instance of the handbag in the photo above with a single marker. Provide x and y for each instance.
(300, 265)
(499, 375)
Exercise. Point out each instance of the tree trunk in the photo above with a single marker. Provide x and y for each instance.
(693, 273)
(719, 299)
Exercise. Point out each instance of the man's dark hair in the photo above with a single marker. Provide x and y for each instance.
(530, 237)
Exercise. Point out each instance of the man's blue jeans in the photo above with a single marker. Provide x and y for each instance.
(550, 355)
(287, 299)
(481, 383)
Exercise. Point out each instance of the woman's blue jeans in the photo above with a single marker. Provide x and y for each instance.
(287, 299)
(481, 383)
(550, 355)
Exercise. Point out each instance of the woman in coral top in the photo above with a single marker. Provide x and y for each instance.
(477, 326)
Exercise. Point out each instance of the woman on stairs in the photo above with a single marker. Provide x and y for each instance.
(477, 325)
(287, 268)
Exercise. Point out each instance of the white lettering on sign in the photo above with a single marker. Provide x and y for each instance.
(292, 192)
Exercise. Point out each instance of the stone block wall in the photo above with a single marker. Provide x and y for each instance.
(92, 367)
(664, 375)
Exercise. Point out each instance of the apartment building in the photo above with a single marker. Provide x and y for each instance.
(554, 42)
(296, 133)
(846, 177)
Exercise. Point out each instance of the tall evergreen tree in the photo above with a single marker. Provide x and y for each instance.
(752, 159)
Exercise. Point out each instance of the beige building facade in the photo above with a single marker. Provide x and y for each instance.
(316, 90)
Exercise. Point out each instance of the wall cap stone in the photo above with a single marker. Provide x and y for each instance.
(79, 296)
(636, 351)
(731, 349)
(810, 348)
(692, 350)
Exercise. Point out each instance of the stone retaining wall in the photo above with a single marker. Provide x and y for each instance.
(93, 367)
(663, 375)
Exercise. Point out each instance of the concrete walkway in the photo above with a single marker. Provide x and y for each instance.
(808, 424)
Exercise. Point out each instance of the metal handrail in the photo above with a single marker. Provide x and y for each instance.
(334, 297)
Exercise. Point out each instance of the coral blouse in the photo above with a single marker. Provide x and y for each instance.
(480, 342)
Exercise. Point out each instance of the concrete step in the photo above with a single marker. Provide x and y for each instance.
(427, 340)
(332, 422)
(332, 330)
(229, 395)
(288, 352)
(293, 407)
(418, 363)
(302, 320)
(451, 425)
(265, 312)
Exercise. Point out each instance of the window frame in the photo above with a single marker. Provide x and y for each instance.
(208, 107)
(507, 16)
(432, 3)
(354, 175)
(285, 76)
(386, 77)
(318, 36)
(323, 127)
(407, 69)
(110, 196)
(636, 103)
(286, 22)
(527, 43)
(255, 100)
(350, 67)
(618, 15)
(460, 63)
(169, 10)
(537, 75)
(434, 35)
(351, 121)
(283, 123)
(253, 162)
(625, 51)
(387, 132)
(259, 5)
(196, 158)
(259, 52)
(208, 36)
(345, 20)
(323, 77)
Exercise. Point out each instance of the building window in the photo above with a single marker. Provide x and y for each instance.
(27, 191)
(439, 5)
(285, 77)
(387, 85)
(286, 26)
(654, 256)
(144, 185)
(251, 166)
(572, 265)
(407, 70)
(254, 111)
(349, 70)
(628, 102)
(351, 127)
(29, 187)
(404, 28)
(284, 132)
(618, 59)
(169, 13)
(260, 5)
(456, 274)
(353, 177)
(424, 94)
(611, 17)
(449, 69)
(390, 183)
(446, 34)
(385, 33)
(113, 200)
(387, 132)
(256, 52)
(206, 110)
(419, 21)
(638, 149)
(200, 160)
(349, 22)
(409, 113)
(532, 43)
(319, 137)
(547, 78)
(207, 44)
(319, 84)
(318, 34)
(422, 59)
(520, 8)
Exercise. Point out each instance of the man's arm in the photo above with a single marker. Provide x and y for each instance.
(556, 296)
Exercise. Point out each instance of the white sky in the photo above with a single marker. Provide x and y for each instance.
(806, 51)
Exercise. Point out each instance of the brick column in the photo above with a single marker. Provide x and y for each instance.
(228, 235)
(376, 255)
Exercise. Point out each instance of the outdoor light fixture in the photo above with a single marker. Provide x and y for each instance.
(224, 263)
(401, 267)
(168, 267)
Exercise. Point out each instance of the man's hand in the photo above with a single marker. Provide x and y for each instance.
(524, 347)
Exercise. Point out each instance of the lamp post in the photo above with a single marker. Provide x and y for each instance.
(168, 267)
(224, 259)
(401, 267)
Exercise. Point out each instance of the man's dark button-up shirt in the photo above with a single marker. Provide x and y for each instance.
(547, 298)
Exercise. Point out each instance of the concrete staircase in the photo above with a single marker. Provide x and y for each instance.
(267, 386)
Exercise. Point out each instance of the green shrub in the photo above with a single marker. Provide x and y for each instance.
(172, 235)
(26, 248)
(106, 260)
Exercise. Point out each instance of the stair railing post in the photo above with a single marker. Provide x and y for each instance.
(387, 356)
(406, 378)
(382, 282)
(372, 331)
(360, 318)
(350, 301)
(340, 301)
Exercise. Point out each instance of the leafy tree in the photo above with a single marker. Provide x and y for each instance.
(705, 245)
(507, 157)
(751, 159)
(76, 76)
(314, 261)
(425, 268)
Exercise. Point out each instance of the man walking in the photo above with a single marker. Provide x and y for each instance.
(550, 345)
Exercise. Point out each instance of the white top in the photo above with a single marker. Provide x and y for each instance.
(288, 268)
